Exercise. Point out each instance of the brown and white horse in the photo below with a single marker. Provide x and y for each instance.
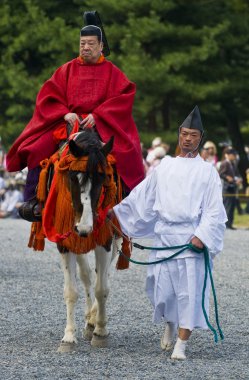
(86, 189)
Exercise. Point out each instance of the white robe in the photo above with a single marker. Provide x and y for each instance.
(182, 198)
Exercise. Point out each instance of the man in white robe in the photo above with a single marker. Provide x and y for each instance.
(179, 203)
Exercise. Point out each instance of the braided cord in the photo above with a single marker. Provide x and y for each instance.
(182, 248)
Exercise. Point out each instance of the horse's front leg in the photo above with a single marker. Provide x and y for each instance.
(70, 295)
(87, 279)
(103, 262)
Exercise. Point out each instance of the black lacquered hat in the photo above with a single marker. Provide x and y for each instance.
(93, 27)
(193, 120)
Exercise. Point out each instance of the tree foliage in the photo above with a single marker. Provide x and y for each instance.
(179, 53)
(35, 40)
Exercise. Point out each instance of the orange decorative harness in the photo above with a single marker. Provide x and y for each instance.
(58, 215)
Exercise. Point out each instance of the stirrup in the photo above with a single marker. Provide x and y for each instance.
(27, 211)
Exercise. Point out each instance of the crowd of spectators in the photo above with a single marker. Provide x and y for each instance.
(11, 189)
(11, 193)
(12, 184)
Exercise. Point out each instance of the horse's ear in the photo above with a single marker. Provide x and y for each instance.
(106, 149)
(74, 149)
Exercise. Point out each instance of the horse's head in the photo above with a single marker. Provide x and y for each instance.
(86, 185)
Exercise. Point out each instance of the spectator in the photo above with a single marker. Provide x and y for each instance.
(13, 199)
(157, 141)
(239, 187)
(159, 153)
(204, 154)
(21, 177)
(2, 184)
(247, 191)
(230, 179)
(224, 146)
(211, 152)
(2, 154)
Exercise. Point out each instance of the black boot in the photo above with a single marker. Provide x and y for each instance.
(30, 210)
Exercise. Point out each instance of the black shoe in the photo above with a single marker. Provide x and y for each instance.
(30, 211)
(231, 228)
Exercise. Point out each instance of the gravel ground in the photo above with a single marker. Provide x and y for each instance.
(32, 320)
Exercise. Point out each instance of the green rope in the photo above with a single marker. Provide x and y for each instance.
(214, 295)
(182, 248)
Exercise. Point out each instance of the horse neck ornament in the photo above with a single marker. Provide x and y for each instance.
(86, 189)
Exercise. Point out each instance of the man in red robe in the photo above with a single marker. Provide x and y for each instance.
(88, 85)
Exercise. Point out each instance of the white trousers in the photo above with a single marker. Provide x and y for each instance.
(175, 291)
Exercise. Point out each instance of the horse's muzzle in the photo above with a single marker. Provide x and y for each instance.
(82, 233)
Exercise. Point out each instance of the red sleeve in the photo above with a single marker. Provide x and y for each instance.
(51, 106)
(114, 118)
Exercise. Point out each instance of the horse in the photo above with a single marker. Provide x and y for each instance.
(87, 176)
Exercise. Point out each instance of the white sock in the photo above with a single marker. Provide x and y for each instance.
(168, 337)
(179, 350)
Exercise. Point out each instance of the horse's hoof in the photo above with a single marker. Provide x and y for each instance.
(66, 347)
(99, 341)
(88, 332)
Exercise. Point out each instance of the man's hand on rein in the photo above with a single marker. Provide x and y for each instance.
(71, 118)
(197, 242)
(88, 122)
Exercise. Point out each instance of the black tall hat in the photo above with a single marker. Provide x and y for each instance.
(92, 18)
(193, 120)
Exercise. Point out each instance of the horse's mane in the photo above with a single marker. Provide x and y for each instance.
(87, 143)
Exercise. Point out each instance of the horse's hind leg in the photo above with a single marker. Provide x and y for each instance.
(103, 261)
(87, 279)
(70, 295)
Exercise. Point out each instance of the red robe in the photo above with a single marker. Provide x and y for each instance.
(101, 89)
